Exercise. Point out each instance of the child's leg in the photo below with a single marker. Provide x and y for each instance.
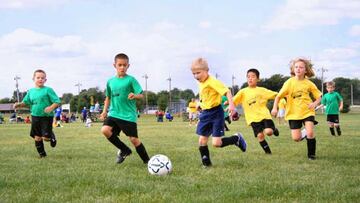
(263, 143)
(140, 149)
(107, 131)
(204, 151)
(296, 134)
(331, 128)
(39, 144)
(338, 130)
(311, 141)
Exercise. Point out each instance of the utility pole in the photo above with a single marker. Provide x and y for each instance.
(217, 75)
(232, 84)
(79, 88)
(169, 79)
(351, 93)
(146, 94)
(322, 70)
(17, 78)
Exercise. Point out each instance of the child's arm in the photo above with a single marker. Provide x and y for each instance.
(19, 105)
(103, 115)
(341, 105)
(135, 96)
(274, 110)
(315, 103)
(51, 107)
(231, 107)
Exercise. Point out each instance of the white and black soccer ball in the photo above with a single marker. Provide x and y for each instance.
(159, 165)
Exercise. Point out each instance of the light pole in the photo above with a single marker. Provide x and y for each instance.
(79, 86)
(217, 75)
(169, 79)
(322, 70)
(232, 84)
(17, 78)
(146, 93)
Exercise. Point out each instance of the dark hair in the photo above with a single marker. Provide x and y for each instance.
(39, 71)
(253, 70)
(121, 56)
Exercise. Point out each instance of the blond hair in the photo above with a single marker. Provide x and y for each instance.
(309, 72)
(200, 64)
(330, 84)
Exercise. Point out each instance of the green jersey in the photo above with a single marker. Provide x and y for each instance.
(331, 101)
(40, 98)
(118, 89)
(223, 100)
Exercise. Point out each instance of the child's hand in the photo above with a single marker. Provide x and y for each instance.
(340, 108)
(274, 112)
(103, 115)
(131, 96)
(312, 106)
(15, 105)
(48, 109)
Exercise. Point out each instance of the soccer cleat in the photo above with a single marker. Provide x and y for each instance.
(276, 132)
(311, 157)
(241, 143)
(53, 140)
(122, 156)
(42, 155)
(206, 161)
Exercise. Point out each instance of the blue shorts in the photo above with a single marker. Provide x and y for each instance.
(211, 122)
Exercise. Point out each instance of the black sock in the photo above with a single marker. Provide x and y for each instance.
(311, 144)
(332, 130)
(265, 146)
(142, 153)
(338, 130)
(114, 139)
(40, 148)
(204, 152)
(226, 128)
(229, 141)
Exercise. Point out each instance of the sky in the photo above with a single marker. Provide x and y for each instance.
(75, 41)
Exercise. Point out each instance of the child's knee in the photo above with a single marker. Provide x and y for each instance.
(38, 138)
(106, 131)
(135, 141)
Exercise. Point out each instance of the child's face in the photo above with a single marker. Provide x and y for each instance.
(121, 66)
(251, 79)
(300, 69)
(200, 75)
(39, 79)
(330, 88)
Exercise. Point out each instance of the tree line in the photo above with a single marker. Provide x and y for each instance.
(88, 97)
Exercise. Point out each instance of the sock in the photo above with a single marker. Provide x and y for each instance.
(40, 148)
(332, 130)
(226, 128)
(205, 155)
(338, 130)
(142, 153)
(311, 144)
(229, 141)
(114, 139)
(265, 146)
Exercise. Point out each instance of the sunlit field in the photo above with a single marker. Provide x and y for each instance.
(82, 166)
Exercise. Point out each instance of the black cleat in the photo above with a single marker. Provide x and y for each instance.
(53, 141)
(206, 161)
(42, 155)
(122, 156)
(311, 157)
(276, 132)
(241, 143)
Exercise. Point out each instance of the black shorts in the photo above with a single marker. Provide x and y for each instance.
(297, 124)
(118, 125)
(57, 118)
(259, 127)
(333, 118)
(41, 126)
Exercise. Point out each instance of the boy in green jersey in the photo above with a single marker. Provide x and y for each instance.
(42, 101)
(121, 92)
(334, 104)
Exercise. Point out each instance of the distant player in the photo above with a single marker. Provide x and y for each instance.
(211, 119)
(225, 105)
(300, 108)
(121, 92)
(193, 112)
(334, 104)
(253, 100)
(281, 113)
(42, 101)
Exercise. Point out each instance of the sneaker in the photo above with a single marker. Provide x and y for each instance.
(42, 155)
(241, 143)
(206, 161)
(122, 156)
(311, 157)
(303, 134)
(276, 132)
(53, 140)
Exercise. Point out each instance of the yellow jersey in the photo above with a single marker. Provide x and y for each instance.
(192, 107)
(282, 103)
(253, 101)
(210, 93)
(297, 93)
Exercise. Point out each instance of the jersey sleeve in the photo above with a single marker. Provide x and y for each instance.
(315, 91)
(339, 97)
(53, 97)
(136, 87)
(284, 90)
(269, 94)
(108, 90)
(26, 99)
(237, 99)
(219, 87)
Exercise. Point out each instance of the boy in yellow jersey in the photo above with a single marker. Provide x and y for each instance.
(300, 107)
(253, 100)
(281, 113)
(192, 111)
(211, 119)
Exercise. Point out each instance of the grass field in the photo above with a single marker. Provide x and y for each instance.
(82, 167)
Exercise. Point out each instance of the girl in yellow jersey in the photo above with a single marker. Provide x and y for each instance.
(300, 108)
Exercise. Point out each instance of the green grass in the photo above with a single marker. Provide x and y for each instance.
(82, 167)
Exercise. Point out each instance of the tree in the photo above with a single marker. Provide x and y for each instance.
(187, 95)
(6, 100)
(66, 98)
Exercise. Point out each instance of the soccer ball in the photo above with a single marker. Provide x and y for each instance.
(159, 165)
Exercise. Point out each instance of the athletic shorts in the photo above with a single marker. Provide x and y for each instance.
(259, 127)
(57, 118)
(118, 125)
(281, 113)
(297, 124)
(332, 118)
(211, 122)
(41, 126)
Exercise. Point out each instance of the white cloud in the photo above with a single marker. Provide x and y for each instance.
(23, 4)
(355, 30)
(205, 24)
(297, 14)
